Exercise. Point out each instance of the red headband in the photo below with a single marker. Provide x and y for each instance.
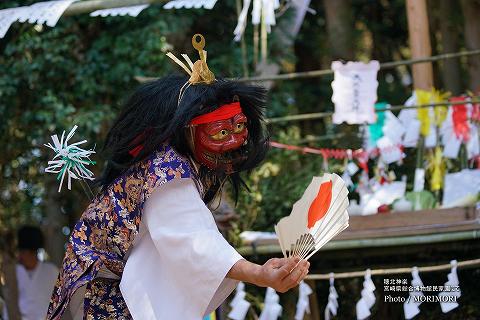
(226, 111)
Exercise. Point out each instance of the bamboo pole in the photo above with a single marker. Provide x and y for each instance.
(263, 40)
(320, 115)
(461, 264)
(385, 65)
(325, 72)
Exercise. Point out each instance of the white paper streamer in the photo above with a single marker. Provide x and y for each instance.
(257, 12)
(461, 188)
(367, 299)
(239, 305)
(48, 13)
(242, 21)
(419, 181)
(390, 152)
(132, 11)
(355, 91)
(69, 160)
(332, 305)
(189, 4)
(408, 117)
(450, 141)
(303, 303)
(473, 145)
(411, 306)
(446, 296)
(393, 128)
(7, 17)
(260, 7)
(271, 309)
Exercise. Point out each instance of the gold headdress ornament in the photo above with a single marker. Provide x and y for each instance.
(199, 72)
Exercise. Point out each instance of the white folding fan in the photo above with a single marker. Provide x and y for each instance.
(319, 215)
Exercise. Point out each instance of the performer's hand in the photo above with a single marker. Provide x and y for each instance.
(283, 274)
(279, 274)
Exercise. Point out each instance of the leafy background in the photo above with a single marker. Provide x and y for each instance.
(80, 72)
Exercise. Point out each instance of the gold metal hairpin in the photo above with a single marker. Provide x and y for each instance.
(199, 72)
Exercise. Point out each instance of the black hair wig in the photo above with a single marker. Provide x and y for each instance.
(29, 238)
(153, 115)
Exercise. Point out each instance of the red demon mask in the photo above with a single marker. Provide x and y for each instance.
(218, 136)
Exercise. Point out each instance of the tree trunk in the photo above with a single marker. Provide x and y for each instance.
(419, 36)
(471, 13)
(286, 32)
(10, 289)
(54, 222)
(340, 28)
(447, 18)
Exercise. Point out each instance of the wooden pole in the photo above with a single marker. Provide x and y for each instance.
(420, 47)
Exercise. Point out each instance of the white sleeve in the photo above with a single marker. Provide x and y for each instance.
(177, 269)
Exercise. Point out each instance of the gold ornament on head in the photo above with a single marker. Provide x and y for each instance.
(199, 72)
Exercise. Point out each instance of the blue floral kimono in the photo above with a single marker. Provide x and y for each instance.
(105, 233)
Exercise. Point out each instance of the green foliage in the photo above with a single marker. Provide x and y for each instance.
(80, 72)
(278, 183)
(76, 73)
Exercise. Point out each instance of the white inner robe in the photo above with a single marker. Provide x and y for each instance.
(35, 288)
(178, 265)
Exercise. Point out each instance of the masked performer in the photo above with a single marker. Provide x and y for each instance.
(147, 247)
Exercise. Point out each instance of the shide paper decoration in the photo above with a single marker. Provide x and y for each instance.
(355, 92)
(446, 296)
(303, 303)
(411, 305)
(430, 118)
(461, 188)
(375, 130)
(132, 11)
(189, 4)
(272, 309)
(332, 304)
(70, 160)
(412, 125)
(319, 215)
(380, 194)
(449, 139)
(239, 305)
(367, 299)
(436, 168)
(48, 12)
(260, 8)
(460, 119)
(460, 126)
